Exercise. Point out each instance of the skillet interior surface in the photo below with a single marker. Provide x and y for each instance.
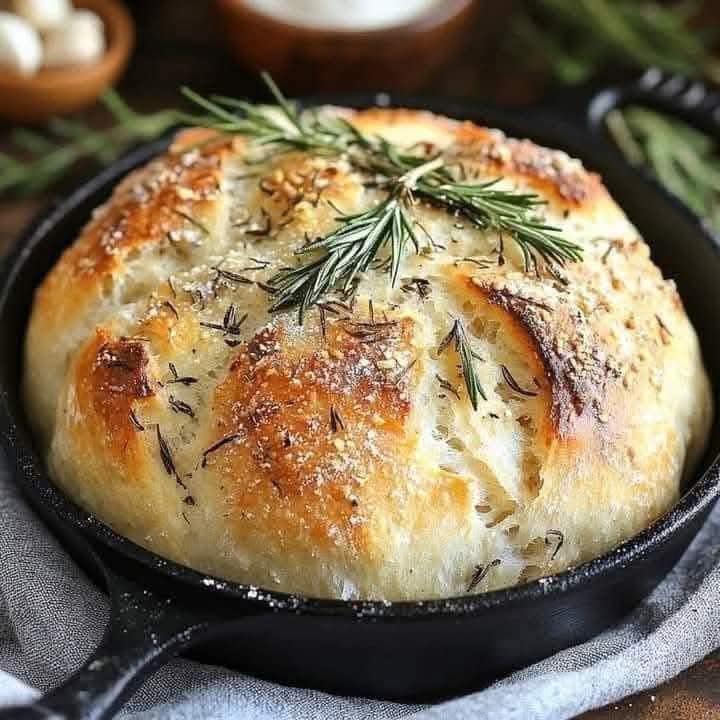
(392, 649)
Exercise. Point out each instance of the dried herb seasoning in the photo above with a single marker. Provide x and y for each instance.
(480, 573)
(467, 357)
(514, 385)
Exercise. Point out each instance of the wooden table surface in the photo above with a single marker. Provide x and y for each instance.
(178, 45)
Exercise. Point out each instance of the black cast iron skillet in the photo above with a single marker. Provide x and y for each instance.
(403, 651)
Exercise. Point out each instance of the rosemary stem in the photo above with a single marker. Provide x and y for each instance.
(411, 177)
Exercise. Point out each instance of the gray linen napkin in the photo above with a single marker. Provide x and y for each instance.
(51, 618)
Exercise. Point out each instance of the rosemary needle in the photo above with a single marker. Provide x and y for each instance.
(353, 247)
(467, 357)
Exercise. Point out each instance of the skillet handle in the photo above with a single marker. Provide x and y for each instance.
(690, 100)
(145, 630)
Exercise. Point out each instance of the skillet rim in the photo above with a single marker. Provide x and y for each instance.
(699, 497)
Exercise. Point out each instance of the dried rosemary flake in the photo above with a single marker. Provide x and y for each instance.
(479, 574)
(179, 406)
(136, 422)
(513, 384)
(171, 308)
(560, 540)
(336, 421)
(167, 458)
(217, 445)
(447, 385)
(194, 222)
(231, 323)
(232, 276)
(184, 380)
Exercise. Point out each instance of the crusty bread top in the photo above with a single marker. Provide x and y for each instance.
(342, 457)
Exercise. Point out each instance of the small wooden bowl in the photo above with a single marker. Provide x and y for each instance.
(307, 59)
(57, 91)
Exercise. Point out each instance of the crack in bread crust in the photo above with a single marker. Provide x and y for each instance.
(576, 363)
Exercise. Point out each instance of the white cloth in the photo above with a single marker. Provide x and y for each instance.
(52, 616)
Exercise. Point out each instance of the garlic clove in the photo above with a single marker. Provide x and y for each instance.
(20, 46)
(43, 14)
(80, 40)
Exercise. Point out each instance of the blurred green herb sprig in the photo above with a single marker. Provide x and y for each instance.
(40, 159)
(578, 38)
(684, 159)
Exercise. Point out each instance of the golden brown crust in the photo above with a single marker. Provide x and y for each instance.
(147, 209)
(342, 457)
(292, 428)
(561, 180)
(576, 369)
(116, 377)
(555, 176)
(110, 376)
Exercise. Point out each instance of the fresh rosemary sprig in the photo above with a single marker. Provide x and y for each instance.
(467, 357)
(354, 246)
(349, 250)
(361, 238)
(45, 158)
(282, 125)
(508, 212)
(684, 159)
(358, 241)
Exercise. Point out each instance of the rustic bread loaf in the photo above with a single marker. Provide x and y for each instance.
(342, 457)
